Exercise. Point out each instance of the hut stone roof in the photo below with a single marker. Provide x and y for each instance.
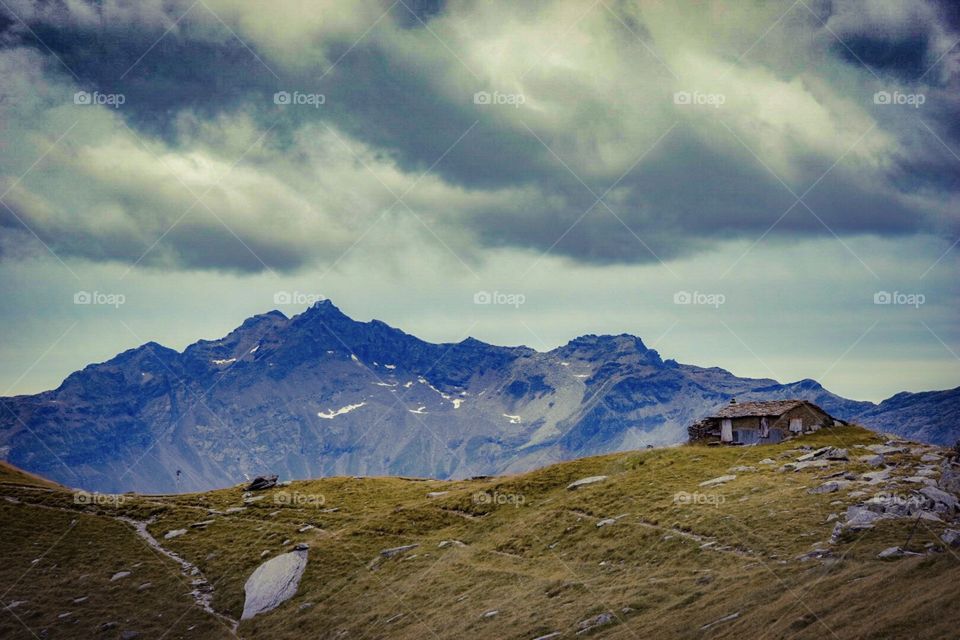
(748, 409)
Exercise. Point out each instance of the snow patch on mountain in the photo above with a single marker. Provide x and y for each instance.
(330, 415)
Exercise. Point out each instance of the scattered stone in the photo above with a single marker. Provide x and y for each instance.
(129, 635)
(265, 553)
(595, 622)
(107, 626)
(393, 551)
(876, 477)
(119, 575)
(951, 537)
(583, 482)
(832, 517)
(549, 636)
(742, 469)
(767, 461)
(262, 482)
(144, 586)
(65, 615)
(450, 543)
(606, 522)
(437, 494)
(174, 534)
(715, 481)
(939, 496)
(490, 614)
(728, 618)
(930, 482)
(813, 454)
(80, 599)
(252, 499)
(885, 450)
(305, 528)
(860, 517)
(305, 605)
(836, 454)
(930, 457)
(891, 552)
(235, 510)
(806, 464)
(202, 525)
(874, 460)
(816, 554)
(273, 582)
(830, 487)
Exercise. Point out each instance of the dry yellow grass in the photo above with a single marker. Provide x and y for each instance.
(533, 553)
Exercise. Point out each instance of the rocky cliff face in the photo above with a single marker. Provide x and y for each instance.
(321, 394)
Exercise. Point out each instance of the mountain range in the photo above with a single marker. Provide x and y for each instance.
(320, 394)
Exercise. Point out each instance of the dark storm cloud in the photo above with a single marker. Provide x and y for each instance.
(411, 99)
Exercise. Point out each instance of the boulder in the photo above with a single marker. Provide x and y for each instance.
(836, 454)
(273, 582)
(939, 496)
(860, 517)
(583, 482)
(891, 552)
(930, 457)
(262, 482)
(885, 449)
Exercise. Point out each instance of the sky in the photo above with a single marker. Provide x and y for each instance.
(768, 187)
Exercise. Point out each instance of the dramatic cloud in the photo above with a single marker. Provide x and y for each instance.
(697, 124)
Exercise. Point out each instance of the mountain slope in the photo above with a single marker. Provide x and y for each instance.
(320, 394)
(645, 552)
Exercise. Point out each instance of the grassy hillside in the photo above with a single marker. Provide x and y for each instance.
(535, 559)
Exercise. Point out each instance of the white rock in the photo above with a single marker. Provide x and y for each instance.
(174, 534)
(583, 482)
(119, 575)
(273, 582)
(715, 481)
